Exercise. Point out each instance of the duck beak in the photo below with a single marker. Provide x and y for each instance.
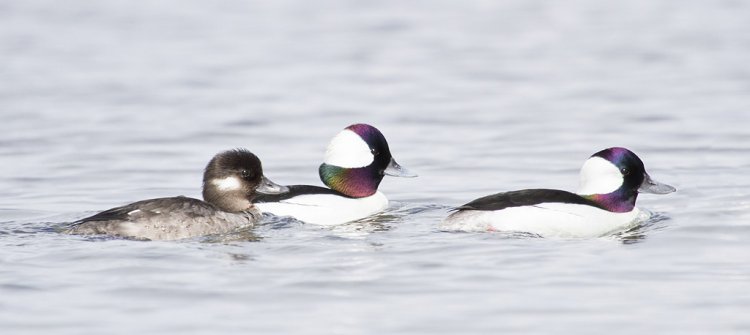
(652, 186)
(266, 186)
(395, 170)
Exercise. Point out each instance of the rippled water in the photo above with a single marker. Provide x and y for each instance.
(108, 102)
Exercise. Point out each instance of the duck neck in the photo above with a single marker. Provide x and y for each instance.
(354, 182)
(621, 200)
(227, 201)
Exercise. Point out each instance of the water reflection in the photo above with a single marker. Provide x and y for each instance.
(639, 233)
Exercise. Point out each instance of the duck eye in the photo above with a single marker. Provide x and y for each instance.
(374, 152)
(625, 171)
(244, 173)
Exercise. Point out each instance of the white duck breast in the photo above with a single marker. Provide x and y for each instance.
(547, 220)
(326, 209)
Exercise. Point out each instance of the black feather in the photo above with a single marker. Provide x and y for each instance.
(296, 190)
(525, 198)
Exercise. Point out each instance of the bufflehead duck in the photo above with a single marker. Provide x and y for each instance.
(610, 181)
(355, 162)
(230, 182)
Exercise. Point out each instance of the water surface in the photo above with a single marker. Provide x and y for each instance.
(108, 102)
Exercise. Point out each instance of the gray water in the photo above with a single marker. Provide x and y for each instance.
(107, 102)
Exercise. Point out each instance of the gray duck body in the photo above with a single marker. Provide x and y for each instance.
(165, 219)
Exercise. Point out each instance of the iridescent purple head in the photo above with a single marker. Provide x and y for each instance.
(356, 160)
(613, 178)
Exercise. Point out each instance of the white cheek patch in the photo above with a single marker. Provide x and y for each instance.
(227, 184)
(348, 150)
(599, 176)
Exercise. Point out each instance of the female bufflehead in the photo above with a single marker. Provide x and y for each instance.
(230, 182)
(609, 184)
(355, 162)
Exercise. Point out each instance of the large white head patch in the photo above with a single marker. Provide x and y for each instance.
(348, 150)
(599, 176)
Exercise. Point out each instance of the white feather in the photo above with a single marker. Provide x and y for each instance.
(227, 184)
(326, 209)
(599, 176)
(348, 150)
(547, 220)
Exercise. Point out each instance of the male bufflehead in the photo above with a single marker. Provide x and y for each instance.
(610, 181)
(230, 182)
(355, 162)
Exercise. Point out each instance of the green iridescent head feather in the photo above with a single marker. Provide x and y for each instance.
(353, 182)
